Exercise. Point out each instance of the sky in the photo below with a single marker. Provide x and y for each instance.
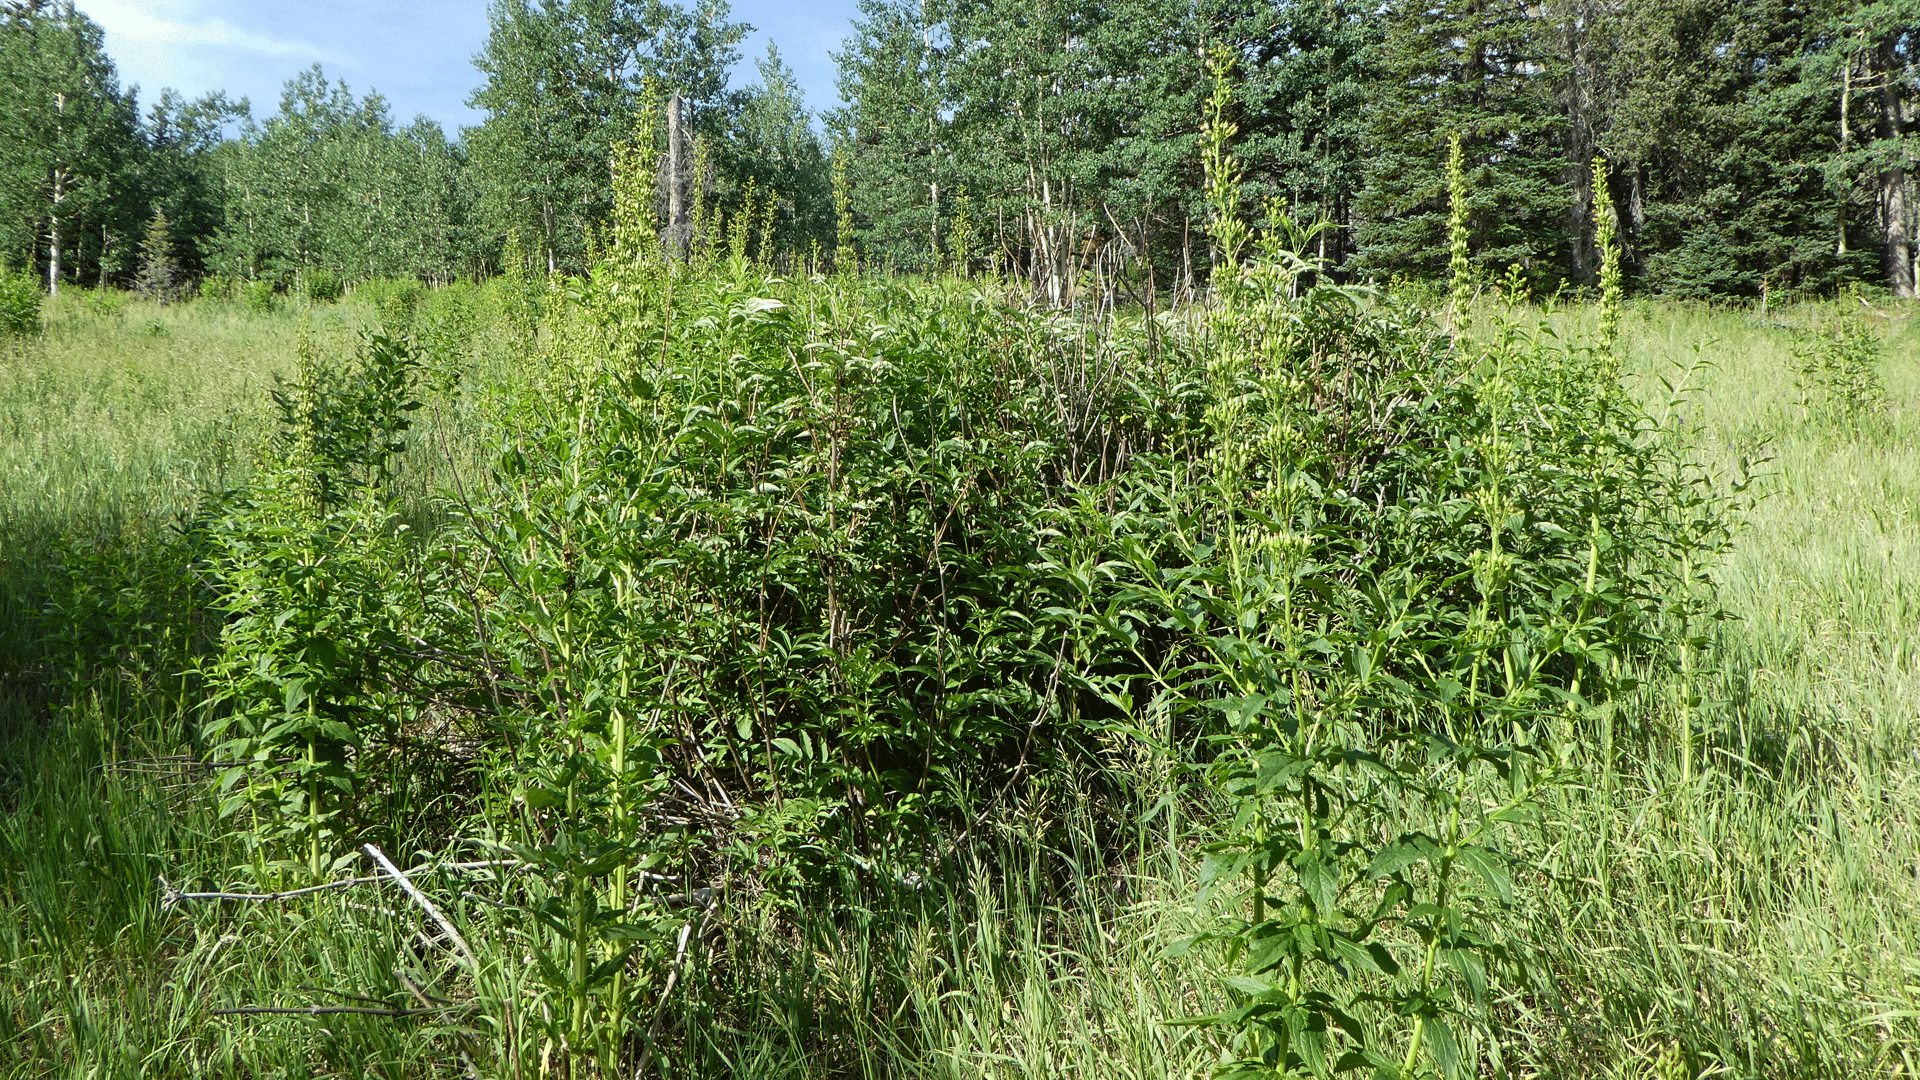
(418, 54)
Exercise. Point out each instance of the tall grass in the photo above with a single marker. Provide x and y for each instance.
(1757, 916)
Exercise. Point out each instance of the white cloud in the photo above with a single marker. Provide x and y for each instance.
(147, 26)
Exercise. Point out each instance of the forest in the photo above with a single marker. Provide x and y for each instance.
(1756, 147)
(1294, 540)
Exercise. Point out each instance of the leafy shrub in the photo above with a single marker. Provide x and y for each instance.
(20, 298)
(322, 286)
(394, 299)
(304, 565)
(1839, 373)
(106, 302)
(258, 296)
(511, 302)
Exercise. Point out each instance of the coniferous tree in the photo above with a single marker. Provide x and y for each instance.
(1481, 69)
(180, 170)
(159, 271)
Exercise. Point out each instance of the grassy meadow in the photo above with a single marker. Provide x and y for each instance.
(1750, 908)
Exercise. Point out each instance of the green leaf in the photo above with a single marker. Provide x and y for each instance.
(1364, 957)
(1490, 867)
(1318, 881)
(1443, 1048)
(1248, 984)
(1400, 854)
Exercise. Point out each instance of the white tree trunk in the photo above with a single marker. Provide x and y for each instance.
(53, 255)
(679, 224)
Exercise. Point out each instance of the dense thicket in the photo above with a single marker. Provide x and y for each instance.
(1749, 146)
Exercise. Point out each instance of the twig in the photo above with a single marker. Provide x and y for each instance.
(419, 992)
(380, 858)
(171, 897)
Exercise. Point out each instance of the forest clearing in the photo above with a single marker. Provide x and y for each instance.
(1713, 873)
(1292, 540)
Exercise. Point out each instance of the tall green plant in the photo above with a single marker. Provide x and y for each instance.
(308, 565)
(1460, 283)
(1605, 221)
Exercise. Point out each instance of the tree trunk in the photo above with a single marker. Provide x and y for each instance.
(679, 225)
(1846, 144)
(1896, 184)
(1896, 210)
(53, 255)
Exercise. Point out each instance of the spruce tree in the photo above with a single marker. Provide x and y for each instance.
(895, 134)
(159, 271)
(1485, 70)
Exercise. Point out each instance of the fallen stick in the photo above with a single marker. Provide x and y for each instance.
(687, 930)
(171, 897)
(380, 859)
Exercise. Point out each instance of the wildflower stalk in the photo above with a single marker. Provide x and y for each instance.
(1605, 243)
(1460, 266)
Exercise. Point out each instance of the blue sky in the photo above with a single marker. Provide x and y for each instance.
(418, 54)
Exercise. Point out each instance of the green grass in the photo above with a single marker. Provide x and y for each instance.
(1769, 917)
(1762, 920)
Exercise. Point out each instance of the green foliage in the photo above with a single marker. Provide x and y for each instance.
(159, 270)
(1605, 230)
(306, 564)
(258, 295)
(20, 298)
(322, 286)
(69, 146)
(395, 300)
(542, 161)
(330, 183)
(1361, 616)
(1838, 370)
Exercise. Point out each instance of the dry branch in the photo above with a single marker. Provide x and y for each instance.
(171, 897)
(460, 944)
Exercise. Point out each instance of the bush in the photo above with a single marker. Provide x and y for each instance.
(394, 300)
(106, 302)
(322, 286)
(20, 299)
(259, 296)
(1839, 373)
